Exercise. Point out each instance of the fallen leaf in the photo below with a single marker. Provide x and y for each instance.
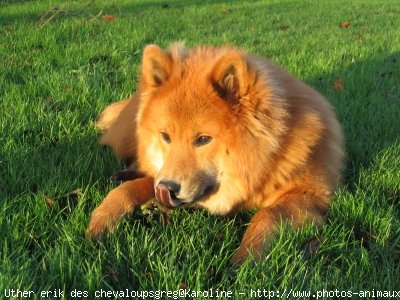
(283, 27)
(395, 196)
(113, 272)
(74, 195)
(211, 271)
(312, 246)
(149, 274)
(338, 85)
(108, 18)
(49, 202)
(67, 201)
(226, 10)
(183, 286)
(345, 24)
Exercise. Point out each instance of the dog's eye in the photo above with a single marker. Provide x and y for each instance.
(166, 137)
(202, 140)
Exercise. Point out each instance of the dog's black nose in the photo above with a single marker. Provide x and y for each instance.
(174, 187)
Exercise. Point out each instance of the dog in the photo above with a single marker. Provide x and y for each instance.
(223, 130)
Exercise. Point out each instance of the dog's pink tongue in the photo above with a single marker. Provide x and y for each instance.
(163, 196)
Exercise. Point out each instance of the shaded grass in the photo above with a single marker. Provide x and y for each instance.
(54, 81)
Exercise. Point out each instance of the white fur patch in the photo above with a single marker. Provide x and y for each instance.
(228, 196)
(155, 156)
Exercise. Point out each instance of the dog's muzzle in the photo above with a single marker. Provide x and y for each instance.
(166, 194)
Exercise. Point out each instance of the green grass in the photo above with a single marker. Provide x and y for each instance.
(56, 76)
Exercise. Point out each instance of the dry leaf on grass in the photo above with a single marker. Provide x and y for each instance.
(312, 246)
(183, 286)
(283, 27)
(345, 24)
(68, 200)
(49, 202)
(211, 271)
(108, 18)
(338, 85)
(113, 273)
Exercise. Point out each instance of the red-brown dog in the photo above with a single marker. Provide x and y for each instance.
(217, 128)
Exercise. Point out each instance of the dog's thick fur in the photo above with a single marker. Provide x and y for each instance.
(231, 131)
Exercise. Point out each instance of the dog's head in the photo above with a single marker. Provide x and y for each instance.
(191, 123)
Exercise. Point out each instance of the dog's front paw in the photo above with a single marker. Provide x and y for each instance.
(119, 203)
(240, 256)
(100, 223)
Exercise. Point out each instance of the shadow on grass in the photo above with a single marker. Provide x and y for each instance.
(54, 167)
(368, 108)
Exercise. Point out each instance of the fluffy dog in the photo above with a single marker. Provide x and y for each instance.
(220, 129)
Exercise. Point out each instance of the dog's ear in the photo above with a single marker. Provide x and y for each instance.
(156, 66)
(232, 76)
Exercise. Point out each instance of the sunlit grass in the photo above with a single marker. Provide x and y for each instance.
(58, 74)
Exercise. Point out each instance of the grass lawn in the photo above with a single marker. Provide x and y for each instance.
(62, 62)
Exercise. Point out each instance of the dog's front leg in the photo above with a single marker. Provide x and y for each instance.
(298, 208)
(120, 202)
(256, 235)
